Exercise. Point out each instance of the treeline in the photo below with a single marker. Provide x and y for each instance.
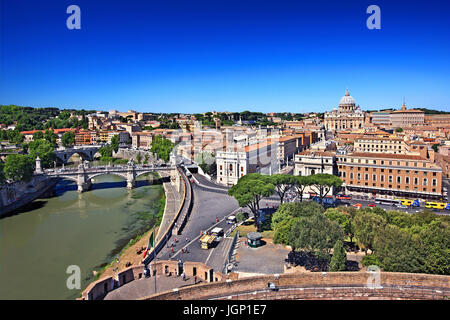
(28, 118)
(398, 241)
(393, 240)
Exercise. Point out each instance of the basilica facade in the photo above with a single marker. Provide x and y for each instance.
(347, 116)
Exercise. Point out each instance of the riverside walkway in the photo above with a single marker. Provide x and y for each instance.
(173, 201)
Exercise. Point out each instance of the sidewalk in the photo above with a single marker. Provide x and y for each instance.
(173, 200)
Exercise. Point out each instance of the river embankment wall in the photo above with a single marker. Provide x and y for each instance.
(16, 195)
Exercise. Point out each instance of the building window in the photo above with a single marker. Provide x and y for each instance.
(390, 178)
(407, 180)
(425, 181)
(416, 181)
(374, 177)
(382, 178)
(366, 176)
(359, 176)
(434, 182)
(399, 179)
(231, 167)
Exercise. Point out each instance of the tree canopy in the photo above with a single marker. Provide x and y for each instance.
(68, 139)
(250, 189)
(45, 150)
(18, 167)
(282, 183)
(162, 147)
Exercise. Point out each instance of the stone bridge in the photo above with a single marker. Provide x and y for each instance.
(85, 152)
(84, 174)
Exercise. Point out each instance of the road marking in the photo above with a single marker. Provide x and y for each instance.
(210, 228)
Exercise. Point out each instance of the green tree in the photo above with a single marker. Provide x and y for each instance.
(344, 219)
(146, 158)
(162, 147)
(397, 250)
(315, 234)
(250, 189)
(45, 150)
(18, 167)
(287, 214)
(435, 238)
(15, 137)
(51, 137)
(367, 226)
(242, 216)
(282, 183)
(68, 139)
(115, 143)
(106, 151)
(2, 173)
(38, 135)
(323, 183)
(339, 257)
(139, 157)
(300, 184)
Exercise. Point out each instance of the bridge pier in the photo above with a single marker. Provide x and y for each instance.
(131, 175)
(84, 184)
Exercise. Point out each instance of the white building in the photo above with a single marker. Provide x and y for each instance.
(238, 161)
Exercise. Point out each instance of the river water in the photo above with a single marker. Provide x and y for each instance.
(87, 230)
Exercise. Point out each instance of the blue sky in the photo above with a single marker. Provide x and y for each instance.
(225, 55)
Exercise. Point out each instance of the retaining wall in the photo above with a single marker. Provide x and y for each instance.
(313, 285)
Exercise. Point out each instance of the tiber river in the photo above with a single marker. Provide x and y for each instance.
(87, 230)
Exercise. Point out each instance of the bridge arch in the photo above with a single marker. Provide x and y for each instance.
(141, 173)
(84, 153)
(122, 175)
(71, 178)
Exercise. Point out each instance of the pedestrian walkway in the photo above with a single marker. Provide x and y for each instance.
(146, 286)
(173, 201)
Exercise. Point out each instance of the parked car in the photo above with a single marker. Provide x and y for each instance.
(371, 205)
(344, 197)
(357, 206)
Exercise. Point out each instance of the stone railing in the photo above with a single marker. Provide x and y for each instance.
(99, 289)
(312, 285)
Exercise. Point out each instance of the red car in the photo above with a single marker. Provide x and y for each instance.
(343, 197)
(371, 205)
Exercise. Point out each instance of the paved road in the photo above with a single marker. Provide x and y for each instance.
(206, 208)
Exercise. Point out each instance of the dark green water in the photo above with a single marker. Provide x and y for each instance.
(87, 230)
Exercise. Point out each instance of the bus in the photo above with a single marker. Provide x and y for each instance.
(327, 201)
(435, 205)
(406, 202)
(389, 202)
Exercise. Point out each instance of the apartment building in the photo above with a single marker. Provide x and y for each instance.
(310, 162)
(390, 175)
(288, 146)
(235, 162)
(85, 137)
(380, 145)
(142, 140)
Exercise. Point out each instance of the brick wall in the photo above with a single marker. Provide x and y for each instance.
(319, 285)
